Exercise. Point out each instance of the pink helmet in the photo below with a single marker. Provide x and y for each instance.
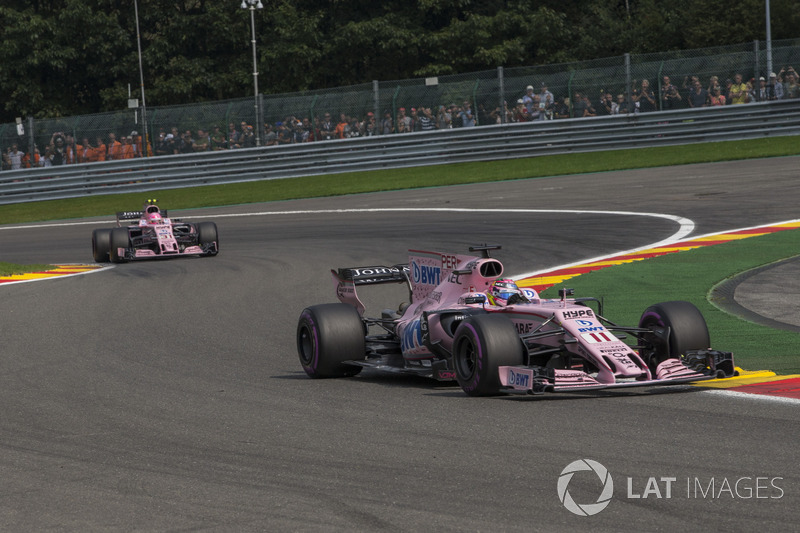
(502, 290)
(154, 218)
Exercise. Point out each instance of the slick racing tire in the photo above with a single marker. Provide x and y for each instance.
(119, 239)
(482, 344)
(207, 234)
(101, 245)
(327, 335)
(688, 330)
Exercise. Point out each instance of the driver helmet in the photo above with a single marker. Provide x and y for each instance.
(503, 289)
(154, 218)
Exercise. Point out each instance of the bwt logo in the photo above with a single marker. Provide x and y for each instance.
(425, 275)
(585, 509)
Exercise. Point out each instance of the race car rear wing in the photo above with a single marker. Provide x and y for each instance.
(371, 275)
(347, 279)
(133, 215)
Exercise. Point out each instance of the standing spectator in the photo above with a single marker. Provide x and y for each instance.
(466, 116)
(578, 105)
(726, 90)
(356, 128)
(114, 147)
(58, 149)
(284, 135)
(47, 158)
(308, 130)
(791, 89)
(15, 157)
(270, 136)
(546, 97)
(186, 145)
(249, 138)
(716, 98)
(698, 96)
(70, 150)
(443, 118)
(762, 91)
(606, 105)
(644, 99)
(203, 141)
(162, 145)
(233, 136)
(402, 122)
(343, 126)
(713, 81)
(538, 112)
(527, 100)
(426, 121)
(738, 91)
(128, 149)
(670, 96)
(415, 114)
(520, 112)
(371, 125)
(100, 151)
(561, 108)
(387, 125)
(326, 128)
(35, 162)
(620, 106)
(774, 88)
(217, 139)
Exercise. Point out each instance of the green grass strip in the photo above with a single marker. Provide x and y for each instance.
(628, 289)
(11, 269)
(405, 178)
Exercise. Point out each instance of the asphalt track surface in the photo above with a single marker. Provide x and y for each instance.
(167, 395)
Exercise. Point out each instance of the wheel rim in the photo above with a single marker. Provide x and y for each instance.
(305, 341)
(466, 358)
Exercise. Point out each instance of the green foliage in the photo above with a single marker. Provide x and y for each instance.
(80, 56)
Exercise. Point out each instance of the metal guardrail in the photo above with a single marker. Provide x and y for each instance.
(488, 143)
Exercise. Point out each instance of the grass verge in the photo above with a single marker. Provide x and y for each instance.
(405, 178)
(11, 269)
(628, 289)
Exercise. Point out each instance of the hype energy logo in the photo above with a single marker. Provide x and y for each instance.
(585, 467)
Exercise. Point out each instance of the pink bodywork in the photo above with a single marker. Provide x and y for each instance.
(437, 280)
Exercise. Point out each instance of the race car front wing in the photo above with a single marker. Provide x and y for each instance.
(695, 365)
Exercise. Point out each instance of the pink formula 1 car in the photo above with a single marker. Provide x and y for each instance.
(153, 235)
(465, 324)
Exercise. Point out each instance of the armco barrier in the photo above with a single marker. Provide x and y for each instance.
(508, 141)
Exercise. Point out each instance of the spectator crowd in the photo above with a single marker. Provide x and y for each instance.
(533, 105)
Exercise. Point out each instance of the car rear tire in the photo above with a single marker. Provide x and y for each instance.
(688, 330)
(328, 335)
(119, 239)
(101, 245)
(207, 234)
(481, 345)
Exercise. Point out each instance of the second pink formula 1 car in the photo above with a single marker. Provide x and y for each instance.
(153, 235)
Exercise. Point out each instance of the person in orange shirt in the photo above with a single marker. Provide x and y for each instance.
(26, 159)
(99, 151)
(84, 151)
(114, 147)
(128, 149)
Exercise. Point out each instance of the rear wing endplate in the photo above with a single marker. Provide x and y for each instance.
(347, 279)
